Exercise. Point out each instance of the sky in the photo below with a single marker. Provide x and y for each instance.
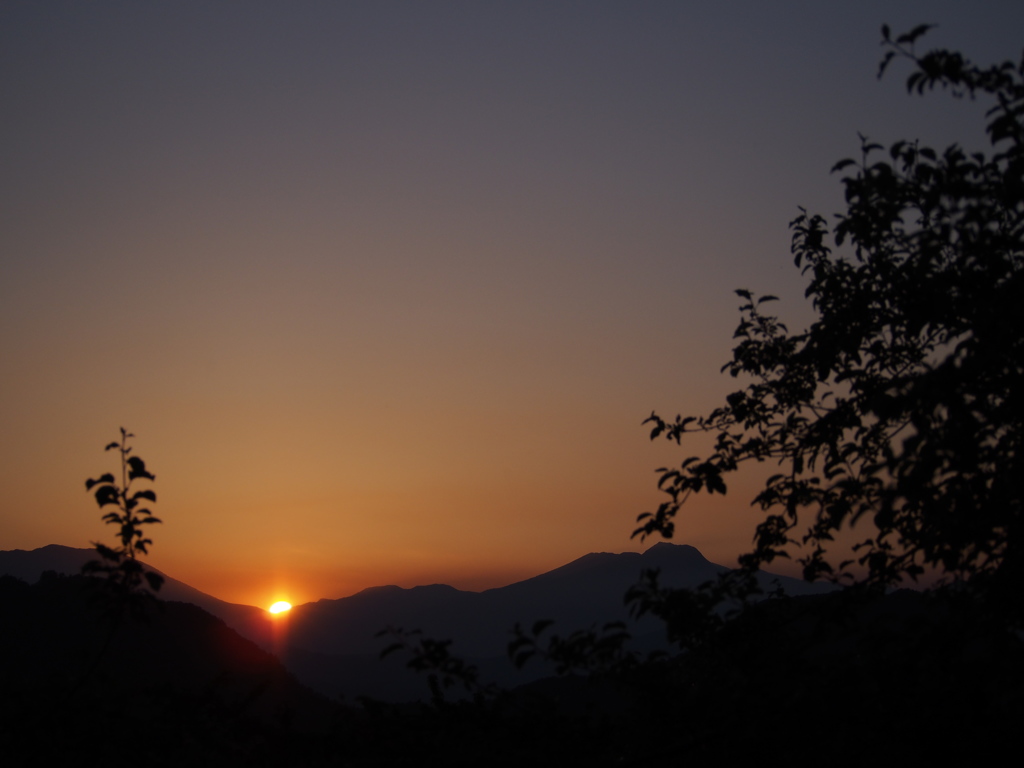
(385, 290)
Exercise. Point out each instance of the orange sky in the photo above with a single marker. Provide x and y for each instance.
(385, 291)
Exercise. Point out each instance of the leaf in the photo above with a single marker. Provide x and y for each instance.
(715, 484)
(912, 35)
(541, 625)
(885, 63)
(522, 657)
(107, 478)
(391, 649)
(138, 469)
(106, 494)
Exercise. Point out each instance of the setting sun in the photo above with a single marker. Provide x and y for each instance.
(280, 607)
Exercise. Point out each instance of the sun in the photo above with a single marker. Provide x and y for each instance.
(280, 607)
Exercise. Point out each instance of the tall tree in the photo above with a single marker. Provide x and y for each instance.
(902, 405)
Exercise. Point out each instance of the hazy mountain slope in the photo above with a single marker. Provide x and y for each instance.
(29, 565)
(586, 591)
(332, 644)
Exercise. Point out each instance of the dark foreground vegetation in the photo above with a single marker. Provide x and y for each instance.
(899, 412)
(851, 680)
(172, 687)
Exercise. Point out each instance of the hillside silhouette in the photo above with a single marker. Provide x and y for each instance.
(184, 688)
(333, 646)
(29, 565)
(168, 682)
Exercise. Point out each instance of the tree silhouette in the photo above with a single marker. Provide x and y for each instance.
(902, 405)
(126, 578)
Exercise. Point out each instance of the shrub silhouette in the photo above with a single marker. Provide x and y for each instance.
(131, 585)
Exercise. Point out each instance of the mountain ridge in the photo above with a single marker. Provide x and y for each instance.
(330, 644)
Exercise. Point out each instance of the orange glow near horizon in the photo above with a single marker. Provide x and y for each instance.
(406, 332)
(281, 606)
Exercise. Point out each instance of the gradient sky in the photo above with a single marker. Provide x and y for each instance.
(386, 289)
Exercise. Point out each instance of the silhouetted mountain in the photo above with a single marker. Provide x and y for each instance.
(29, 565)
(333, 645)
(586, 591)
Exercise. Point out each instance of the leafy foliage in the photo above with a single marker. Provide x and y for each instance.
(122, 506)
(584, 651)
(444, 670)
(901, 405)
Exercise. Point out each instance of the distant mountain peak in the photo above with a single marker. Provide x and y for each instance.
(435, 588)
(663, 548)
